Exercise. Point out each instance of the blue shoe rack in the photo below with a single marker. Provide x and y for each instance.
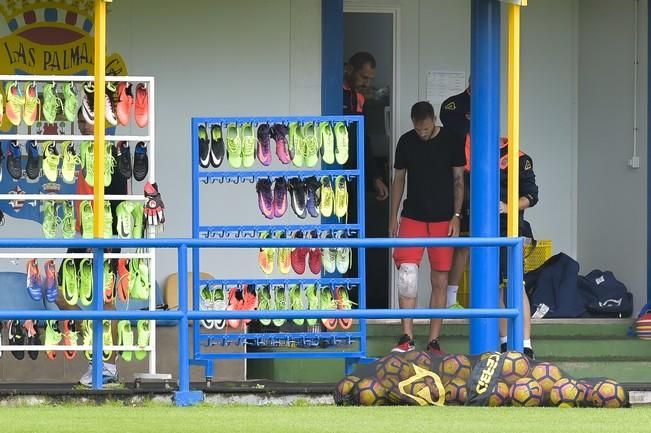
(348, 344)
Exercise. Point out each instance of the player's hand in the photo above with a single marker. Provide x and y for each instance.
(503, 208)
(393, 228)
(454, 227)
(382, 191)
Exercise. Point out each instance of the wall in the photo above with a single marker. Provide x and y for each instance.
(612, 197)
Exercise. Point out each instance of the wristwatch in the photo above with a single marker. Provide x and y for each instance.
(458, 215)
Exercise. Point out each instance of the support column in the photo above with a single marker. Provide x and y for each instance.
(100, 122)
(332, 55)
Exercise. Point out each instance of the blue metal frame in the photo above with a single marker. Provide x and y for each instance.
(648, 164)
(331, 224)
(332, 54)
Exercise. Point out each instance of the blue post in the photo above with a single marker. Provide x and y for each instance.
(332, 56)
(514, 297)
(98, 305)
(648, 178)
(484, 178)
(361, 220)
(184, 397)
(195, 232)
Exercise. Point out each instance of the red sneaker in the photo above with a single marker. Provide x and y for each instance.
(314, 260)
(123, 280)
(298, 255)
(405, 344)
(235, 303)
(249, 303)
(70, 338)
(343, 303)
(141, 109)
(125, 102)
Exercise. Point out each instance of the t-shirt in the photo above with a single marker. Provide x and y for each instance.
(455, 113)
(430, 194)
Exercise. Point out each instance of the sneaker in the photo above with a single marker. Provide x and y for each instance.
(248, 145)
(109, 163)
(344, 303)
(250, 302)
(298, 197)
(264, 144)
(52, 337)
(434, 348)
(311, 141)
(141, 107)
(30, 108)
(217, 147)
(341, 197)
(328, 143)
(329, 258)
(124, 102)
(124, 219)
(107, 338)
(2, 155)
(16, 337)
(284, 259)
(205, 304)
(14, 104)
(312, 297)
(51, 281)
(33, 337)
(123, 280)
(86, 213)
(70, 282)
(280, 300)
(68, 221)
(134, 278)
(124, 159)
(265, 198)
(70, 102)
(280, 197)
(405, 344)
(109, 375)
(342, 257)
(264, 302)
(86, 282)
(328, 303)
(266, 256)
(51, 102)
(327, 197)
(295, 144)
(70, 162)
(109, 105)
(34, 282)
(235, 303)
(279, 133)
(204, 147)
(298, 255)
(138, 213)
(341, 149)
(528, 352)
(14, 160)
(296, 301)
(312, 185)
(51, 159)
(456, 307)
(140, 161)
(2, 110)
(141, 287)
(70, 338)
(33, 167)
(233, 145)
(88, 102)
(314, 256)
(109, 283)
(86, 155)
(108, 220)
(50, 220)
(219, 304)
(87, 338)
(125, 338)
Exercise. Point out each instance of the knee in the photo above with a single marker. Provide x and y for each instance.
(408, 280)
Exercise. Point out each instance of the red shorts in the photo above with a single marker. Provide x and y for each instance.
(440, 259)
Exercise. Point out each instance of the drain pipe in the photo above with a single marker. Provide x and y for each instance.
(634, 162)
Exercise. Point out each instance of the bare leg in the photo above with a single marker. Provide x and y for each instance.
(459, 261)
(526, 312)
(408, 324)
(439, 282)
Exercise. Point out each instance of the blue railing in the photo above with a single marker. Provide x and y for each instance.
(185, 396)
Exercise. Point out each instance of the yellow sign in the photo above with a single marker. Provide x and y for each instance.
(424, 397)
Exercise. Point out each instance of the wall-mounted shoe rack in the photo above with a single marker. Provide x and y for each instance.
(234, 151)
(38, 130)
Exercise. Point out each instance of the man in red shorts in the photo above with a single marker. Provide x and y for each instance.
(433, 159)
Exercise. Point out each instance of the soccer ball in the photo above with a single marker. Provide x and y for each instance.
(456, 391)
(394, 365)
(546, 374)
(418, 357)
(500, 396)
(586, 389)
(526, 392)
(422, 390)
(370, 392)
(455, 366)
(515, 366)
(610, 394)
(344, 391)
(566, 393)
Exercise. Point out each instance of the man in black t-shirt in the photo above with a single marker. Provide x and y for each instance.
(432, 159)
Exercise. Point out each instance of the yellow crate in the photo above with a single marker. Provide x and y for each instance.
(534, 257)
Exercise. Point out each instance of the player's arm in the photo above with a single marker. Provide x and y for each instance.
(527, 184)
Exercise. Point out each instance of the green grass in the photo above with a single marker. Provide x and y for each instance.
(316, 419)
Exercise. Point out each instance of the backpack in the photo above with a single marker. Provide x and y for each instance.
(605, 295)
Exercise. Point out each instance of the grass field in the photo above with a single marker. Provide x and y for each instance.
(317, 419)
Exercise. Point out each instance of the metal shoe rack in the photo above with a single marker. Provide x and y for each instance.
(35, 199)
(313, 341)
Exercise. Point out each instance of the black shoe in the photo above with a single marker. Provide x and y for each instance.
(204, 147)
(124, 159)
(528, 352)
(16, 338)
(2, 157)
(434, 348)
(298, 197)
(503, 348)
(405, 344)
(14, 156)
(88, 102)
(33, 168)
(217, 148)
(33, 340)
(140, 162)
(313, 187)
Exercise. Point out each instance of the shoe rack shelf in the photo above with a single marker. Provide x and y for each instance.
(349, 344)
(147, 137)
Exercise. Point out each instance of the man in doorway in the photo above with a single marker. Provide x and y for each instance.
(433, 159)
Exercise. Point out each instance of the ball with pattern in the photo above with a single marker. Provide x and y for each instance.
(546, 374)
(424, 386)
(455, 366)
(586, 389)
(526, 392)
(566, 393)
(456, 391)
(516, 366)
(500, 395)
(370, 392)
(344, 391)
(610, 394)
(394, 365)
